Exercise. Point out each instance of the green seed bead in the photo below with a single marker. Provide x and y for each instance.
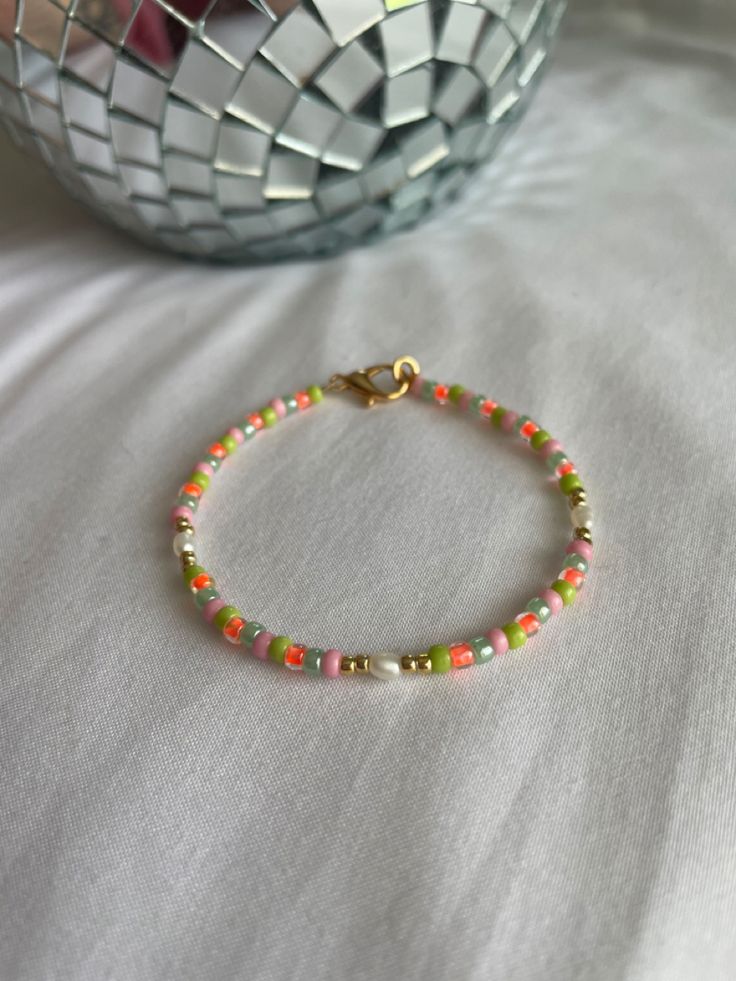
(539, 439)
(576, 561)
(230, 444)
(204, 596)
(482, 648)
(565, 589)
(277, 648)
(226, 613)
(455, 392)
(315, 394)
(540, 609)
(191, 573)
(428, 389)
(187, 501)
(570, 482)
(268, 414)
(200, 479)
(515, 634)
(250, 631)
(555, 460)
(439, 657)
(249, 430)
(497, 415)
(291, 407)
(312, 660)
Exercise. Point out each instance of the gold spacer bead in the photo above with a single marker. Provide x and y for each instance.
(583, 535)
(408, 664)
(424, 663)
(188, 559)
(578, 496)
(183, 524)
(347, 664)
(362, 664)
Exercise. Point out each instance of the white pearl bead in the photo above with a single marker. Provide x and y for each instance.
(385, 666)
(582, 517)
(183, 542)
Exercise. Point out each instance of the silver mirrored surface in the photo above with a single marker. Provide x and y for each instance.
(407, 97)
(252, 130)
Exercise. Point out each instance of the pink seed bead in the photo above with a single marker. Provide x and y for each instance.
(499, 640)
(210, 609)
(260, 645)
(464, 401)
(580, 548)
(205, 468)
(508, 420)
(550, 447)
(279, 407)
(237, 434)
(416, 386)
(553, 600)
(180, 511)
(331, 663)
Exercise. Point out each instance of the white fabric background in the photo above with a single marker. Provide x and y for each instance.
(172, 811)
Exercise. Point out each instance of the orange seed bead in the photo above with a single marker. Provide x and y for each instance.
(529, 623)
(232, 629)
(294, 656)
(202, 581)
(574, 576)
(461, 655)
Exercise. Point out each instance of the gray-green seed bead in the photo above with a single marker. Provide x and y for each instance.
(475, 403)
(576, 561)
(540, 609)
(482, 648)
(250, 631)
(249, 430)
(204, 596)
(428, 389)
(187, 501)
(214, 461)
(291, 407)
(312, 660)
(555, 460)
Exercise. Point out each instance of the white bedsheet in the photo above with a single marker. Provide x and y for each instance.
(169, 810)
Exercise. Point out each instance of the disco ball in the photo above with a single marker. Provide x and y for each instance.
(252, 130)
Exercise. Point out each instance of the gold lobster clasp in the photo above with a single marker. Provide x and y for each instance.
(403, 371)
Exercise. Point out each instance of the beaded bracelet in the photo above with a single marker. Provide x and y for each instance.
(440, 658)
